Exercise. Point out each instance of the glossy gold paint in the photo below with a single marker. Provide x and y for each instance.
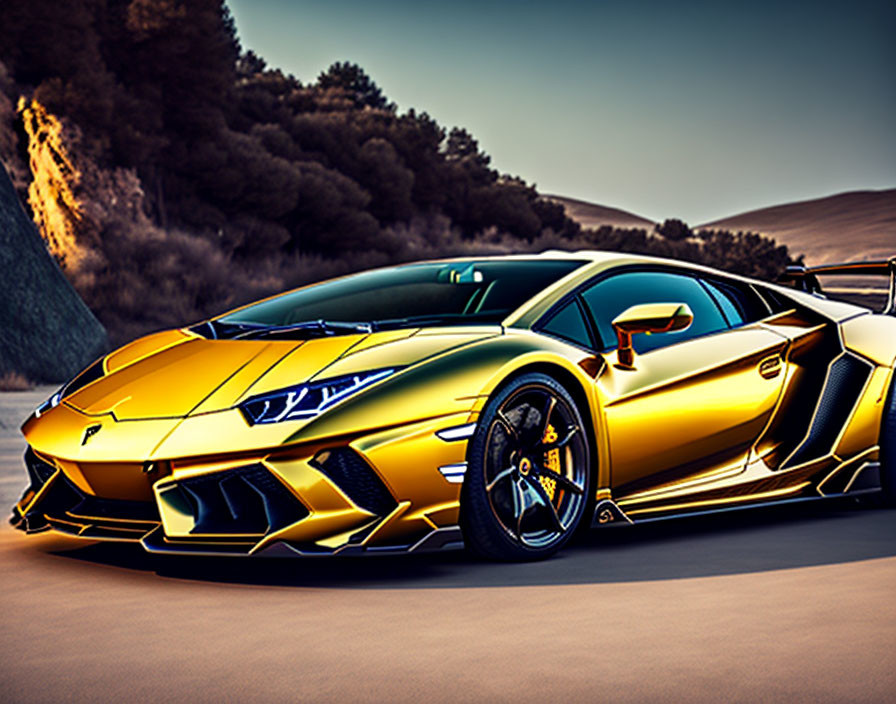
(871, 337)
(704, 423)
(697, 399)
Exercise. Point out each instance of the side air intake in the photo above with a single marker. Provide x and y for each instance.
(348, 470)
(847, 376)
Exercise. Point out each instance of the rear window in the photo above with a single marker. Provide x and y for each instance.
(740, 305)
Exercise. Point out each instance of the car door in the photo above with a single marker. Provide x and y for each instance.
(694, 401)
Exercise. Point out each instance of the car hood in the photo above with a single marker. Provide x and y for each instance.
(175, 375)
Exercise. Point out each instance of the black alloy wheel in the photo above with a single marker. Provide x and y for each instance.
(528, 481)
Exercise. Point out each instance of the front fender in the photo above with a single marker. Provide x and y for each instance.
(459, 381)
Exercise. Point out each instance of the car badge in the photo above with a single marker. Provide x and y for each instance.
(89, 432)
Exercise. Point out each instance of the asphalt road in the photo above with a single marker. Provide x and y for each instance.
(785, 604)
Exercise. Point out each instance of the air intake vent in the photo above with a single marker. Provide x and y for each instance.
(245, 501)
(114, 509)
(846, 379)
(38, 470)
(348, 470)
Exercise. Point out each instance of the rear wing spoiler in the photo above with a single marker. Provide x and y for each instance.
(806, 278)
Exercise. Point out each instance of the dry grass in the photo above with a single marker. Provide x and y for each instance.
(13, 381)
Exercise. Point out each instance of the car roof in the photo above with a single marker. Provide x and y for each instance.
(598, 262)
(595, 262)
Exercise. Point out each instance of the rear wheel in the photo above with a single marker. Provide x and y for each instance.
(529, 482)
(888, 446)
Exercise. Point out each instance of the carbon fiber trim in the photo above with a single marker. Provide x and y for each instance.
(846, 378)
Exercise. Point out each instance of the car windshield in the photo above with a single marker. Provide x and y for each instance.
(440, 293)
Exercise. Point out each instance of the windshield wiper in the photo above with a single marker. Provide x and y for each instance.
(307, 328)
(324, 327)
(444, 319)
(219, 330)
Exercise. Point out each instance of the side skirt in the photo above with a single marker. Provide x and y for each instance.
(620, 516)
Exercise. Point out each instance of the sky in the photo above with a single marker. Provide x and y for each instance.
(695, 110)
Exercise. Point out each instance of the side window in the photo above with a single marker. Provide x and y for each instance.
(607, 299)
(775, 300)
(740, 304)
(569, 324)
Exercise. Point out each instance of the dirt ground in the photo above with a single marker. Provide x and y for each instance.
(784, 604)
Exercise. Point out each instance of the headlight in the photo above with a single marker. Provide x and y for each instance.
(92, 373)
(307, 400)
(51, 402)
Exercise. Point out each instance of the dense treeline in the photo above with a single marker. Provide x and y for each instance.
(184, 175)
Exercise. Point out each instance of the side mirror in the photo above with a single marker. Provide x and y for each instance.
(649, 318)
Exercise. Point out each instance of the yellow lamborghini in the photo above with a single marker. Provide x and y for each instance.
(497, 402)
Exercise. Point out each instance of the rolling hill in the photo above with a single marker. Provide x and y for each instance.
(844, 227)
(591, 215)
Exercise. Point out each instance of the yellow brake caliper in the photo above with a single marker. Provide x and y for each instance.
(551, 461)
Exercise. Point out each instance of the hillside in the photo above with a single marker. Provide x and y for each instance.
(174, 175)
(49, 335)
(591, 215)
(843, 227)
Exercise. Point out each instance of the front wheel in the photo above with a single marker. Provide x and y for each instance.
(528, 482)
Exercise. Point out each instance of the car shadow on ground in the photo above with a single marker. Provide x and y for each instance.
(755, 540)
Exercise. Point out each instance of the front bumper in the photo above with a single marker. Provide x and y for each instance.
(53, 500)
(380, 493)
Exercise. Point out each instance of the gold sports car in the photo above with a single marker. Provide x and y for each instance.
(497, 402)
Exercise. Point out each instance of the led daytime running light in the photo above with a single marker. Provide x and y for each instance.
(307, 400)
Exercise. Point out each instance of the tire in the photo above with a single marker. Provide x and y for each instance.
(887, 444)
(528, 482)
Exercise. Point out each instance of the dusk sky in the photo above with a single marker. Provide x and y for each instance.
(695, 110)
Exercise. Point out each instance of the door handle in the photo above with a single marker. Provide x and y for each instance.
(770, 367)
